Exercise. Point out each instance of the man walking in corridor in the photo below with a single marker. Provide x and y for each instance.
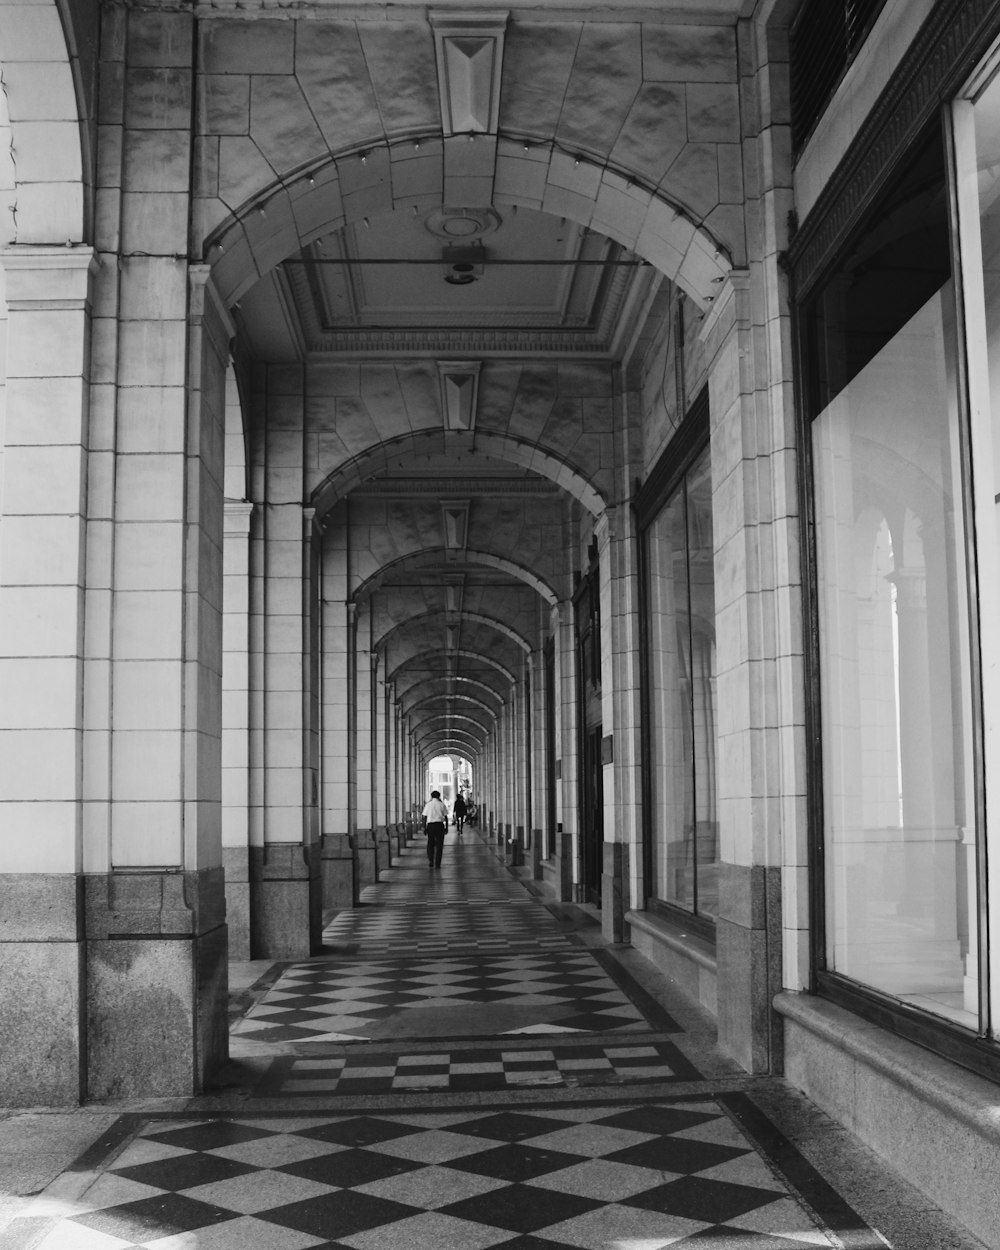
(435, 824)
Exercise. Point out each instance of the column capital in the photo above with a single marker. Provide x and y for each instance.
(207, 308)
(237, 516)
(47, 277)
(735, 287)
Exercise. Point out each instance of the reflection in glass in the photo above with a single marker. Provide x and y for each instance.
(894, 656)
(682, 702)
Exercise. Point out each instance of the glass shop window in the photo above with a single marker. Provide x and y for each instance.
(976, 130)
(895, 655)
(681, 703)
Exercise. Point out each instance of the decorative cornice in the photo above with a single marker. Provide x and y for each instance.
(956, 35)
(490, 342)
(476, 488)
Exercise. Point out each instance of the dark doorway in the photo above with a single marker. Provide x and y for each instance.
(592, 817)
(587, 603)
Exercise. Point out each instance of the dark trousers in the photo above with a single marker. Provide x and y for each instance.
(435, 842)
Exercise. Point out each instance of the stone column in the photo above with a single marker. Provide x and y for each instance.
(622, 827)
(361, 742)
(285, 866)
(508, 766)
(748, 925)
(155, 907)
(380, 765)
(523, 741)
(338, 870)
(568, 746)
(43, 664)
(619, 716)
(236, 725)
(538, 763)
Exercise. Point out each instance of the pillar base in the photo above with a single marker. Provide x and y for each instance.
(748, 950)
(565, 867)
(156, 982)
(614, 892)
(383, 850)
(42, 1000)
(236, 863)
(536, 855)
(366, 858)
(286, 901)
(339, 885)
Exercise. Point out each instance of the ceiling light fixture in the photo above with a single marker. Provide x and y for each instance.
(463, 265)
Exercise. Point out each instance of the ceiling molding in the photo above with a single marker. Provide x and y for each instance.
(494, 341)
(476, 486)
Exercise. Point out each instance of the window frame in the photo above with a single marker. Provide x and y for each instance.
(689, 441)
(973, 1049)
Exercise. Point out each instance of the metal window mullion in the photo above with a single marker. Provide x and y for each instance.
(694, 744)
(976, 421)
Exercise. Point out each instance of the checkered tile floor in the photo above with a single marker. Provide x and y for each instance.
(491, 1068)
(431, 926)
(350, 998)
(641, 1176)
(494, 1004)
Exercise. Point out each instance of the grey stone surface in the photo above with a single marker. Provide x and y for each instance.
(608, 53)
(37, 1148)
(41, 1007)
(338, 871)
(688, 54)
(749, 964)
(538, 62)
(142, 1018)
(935, 1123)
(285, 900)
(653, 133)
(263, 47)
(132, 904)
(236, 865)
(614, 892)
(40, 907)
(400, 60)
(367, 863)
(283, 125)
(330, 64)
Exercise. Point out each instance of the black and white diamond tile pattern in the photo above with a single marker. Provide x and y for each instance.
(348, 998)
(363, 1071)
(432, 926)
(590, 1177)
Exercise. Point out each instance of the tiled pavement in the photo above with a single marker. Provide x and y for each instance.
(461, 1068)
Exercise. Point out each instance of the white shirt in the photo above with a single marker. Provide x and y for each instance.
(434, 809)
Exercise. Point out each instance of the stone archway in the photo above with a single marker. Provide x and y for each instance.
(44, 148)
(278, 219)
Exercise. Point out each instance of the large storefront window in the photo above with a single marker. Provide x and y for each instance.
(681, 695)
(895, 657)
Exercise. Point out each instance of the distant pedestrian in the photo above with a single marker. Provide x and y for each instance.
(435, 823)
(460, 812)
